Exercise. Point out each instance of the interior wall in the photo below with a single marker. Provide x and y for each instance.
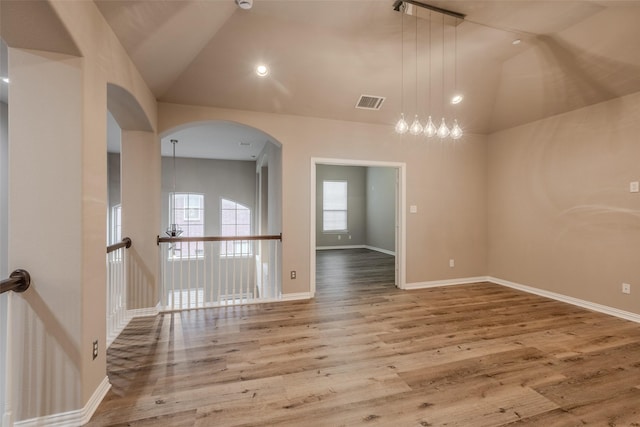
(4, 186)
(230, 179)
(381, 208)
(356, 177)
(47, 318)
(140, 198)
(446, 182)
(113, 185)
(65, 308)
(3, 243)
(561, 217)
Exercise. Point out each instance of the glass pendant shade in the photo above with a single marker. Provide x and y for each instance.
(402, 126)
(456, 132)
(416, 127)
(443, 130)
(430, 129)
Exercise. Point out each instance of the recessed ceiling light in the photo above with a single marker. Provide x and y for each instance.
(457, 99)
(516, 42)
(5, 79)
(244, 4)
(262, 70)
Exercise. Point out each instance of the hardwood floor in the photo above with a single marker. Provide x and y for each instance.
(365, 353)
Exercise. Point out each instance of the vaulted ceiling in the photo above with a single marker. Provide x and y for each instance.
(324, 54)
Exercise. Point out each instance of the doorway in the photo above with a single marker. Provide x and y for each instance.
(398, 170)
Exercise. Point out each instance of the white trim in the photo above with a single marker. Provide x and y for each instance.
(401, 217)
(567, 299)
(142, 312)
(329, 248)
(384, 251)
(296, 296)
(371, 248)
(71, 418)
(447, 282)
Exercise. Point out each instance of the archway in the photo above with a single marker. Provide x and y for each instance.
(222, 171)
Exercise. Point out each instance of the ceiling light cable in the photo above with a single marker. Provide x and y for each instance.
(416, 126)
(401, 125)
(443, 130)
(429, 128)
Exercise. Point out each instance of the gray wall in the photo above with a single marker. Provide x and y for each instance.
(216, 179)
(381, 208)
(371, 205)
(356, 177)
(113, 188)
(3, 244)
(4, 176)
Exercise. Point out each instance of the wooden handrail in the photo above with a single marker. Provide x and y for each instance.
(126, 243)
(18, 281)
(217, 238)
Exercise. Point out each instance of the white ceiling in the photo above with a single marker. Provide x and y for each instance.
(212, 140)
(323, 54)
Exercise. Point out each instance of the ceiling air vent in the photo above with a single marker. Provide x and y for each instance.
(369, 102)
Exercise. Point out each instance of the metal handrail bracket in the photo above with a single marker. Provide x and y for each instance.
(18, 281)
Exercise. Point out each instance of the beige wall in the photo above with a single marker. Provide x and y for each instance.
(561, 217)
(445, 181)
(141, 169)
(356, 178)
(58, 206)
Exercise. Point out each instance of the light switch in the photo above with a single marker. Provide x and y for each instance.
(413, 209)
(634, 187)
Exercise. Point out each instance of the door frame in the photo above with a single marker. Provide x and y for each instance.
(401, 214)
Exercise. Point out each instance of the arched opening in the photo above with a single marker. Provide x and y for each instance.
(223, 184)
(131, 281)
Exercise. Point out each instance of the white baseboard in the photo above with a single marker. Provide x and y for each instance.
(567, 299)
(142, 312)
(72, 418)
(447, 282)
(296, 296)
(384, 251)
(371, 248)
(328, 248)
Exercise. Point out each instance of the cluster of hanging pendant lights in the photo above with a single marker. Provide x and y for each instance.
(429, 129)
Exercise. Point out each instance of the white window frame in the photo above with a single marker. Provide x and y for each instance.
(185, 220)
(116, 224)
(335, 209)
(239, 248)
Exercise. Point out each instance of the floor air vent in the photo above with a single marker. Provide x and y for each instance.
(369, 102)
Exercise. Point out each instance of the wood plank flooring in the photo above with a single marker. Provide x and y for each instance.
(365, 353)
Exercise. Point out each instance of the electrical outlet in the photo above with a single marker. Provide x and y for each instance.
(95, 349)
(293, 274)
(452, 263)
(634, 187)
(626, 288)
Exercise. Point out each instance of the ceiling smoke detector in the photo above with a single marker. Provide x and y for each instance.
(244, 4)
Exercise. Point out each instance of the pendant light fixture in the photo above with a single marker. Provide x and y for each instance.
(429, 128)
(173, 230)
(416, 126)
(402, 126)
(443, 130)
(456, 131)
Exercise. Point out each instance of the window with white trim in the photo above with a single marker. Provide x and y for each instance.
(116, 224)
(334, 206)
(187, 210)
(235, 220)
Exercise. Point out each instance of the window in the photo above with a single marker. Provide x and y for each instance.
(235, 220)
(188, 214)
(334, 206)
(116, 224)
